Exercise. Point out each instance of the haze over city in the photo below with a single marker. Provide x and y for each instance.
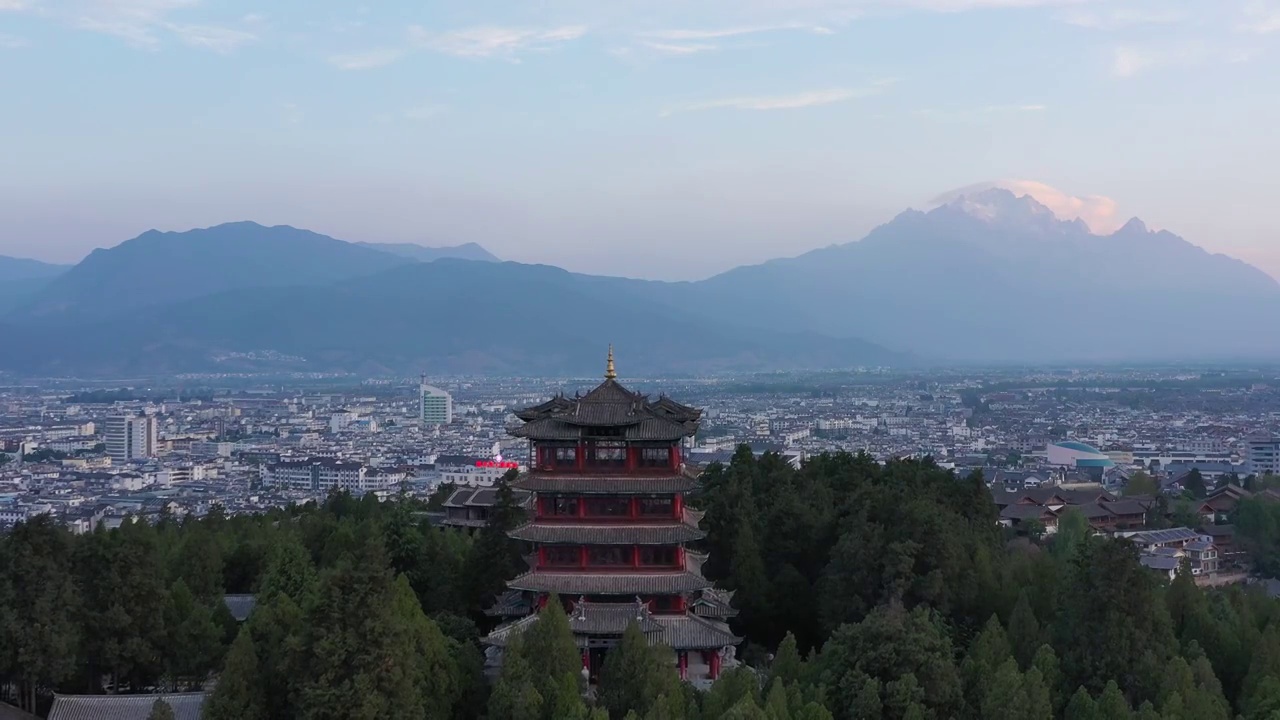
(660, 139)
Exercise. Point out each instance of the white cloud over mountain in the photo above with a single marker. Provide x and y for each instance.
(1100, 213)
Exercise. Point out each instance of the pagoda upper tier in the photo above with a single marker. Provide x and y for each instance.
(609, 411)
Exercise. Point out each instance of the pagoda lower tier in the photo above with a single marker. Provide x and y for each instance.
(703, 646)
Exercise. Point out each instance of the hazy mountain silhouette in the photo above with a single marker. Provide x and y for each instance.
(422, 253)
(12, 268)
(450, 315)
(986, 277)
(157, 268)
(995, 277)
(21, 279)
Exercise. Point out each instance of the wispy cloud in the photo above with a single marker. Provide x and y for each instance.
(493, 41)
(141, 23)
(1117, 18)
(366, 60)
(211, 37)
(682, 35)
(679, 48)
(1014, 108)
(793, 101)
(1261, 18)
(423, 112)
(1132, 60)
(12, 42)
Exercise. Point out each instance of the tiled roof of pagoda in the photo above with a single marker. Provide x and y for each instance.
(622, 583)
(608, 405)
(714, 603)
(511, 603)
(593, 618)
(639, 483)
(690, 632)
(679, 632)
(608, 534)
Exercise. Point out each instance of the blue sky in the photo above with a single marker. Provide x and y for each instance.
(665, 138)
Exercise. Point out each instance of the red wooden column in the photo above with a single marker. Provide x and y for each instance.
(635, 556)
(633, 508)
(632, 451)
(582, 556)
(580, 457)
(678, 506)
(586, 659)
(715, 664)
(684, 665)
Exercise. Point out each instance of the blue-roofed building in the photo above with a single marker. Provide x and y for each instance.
(1078, 455)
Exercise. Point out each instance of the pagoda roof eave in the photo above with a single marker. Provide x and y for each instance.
(597, 583)
(607, 534)
(587, 484)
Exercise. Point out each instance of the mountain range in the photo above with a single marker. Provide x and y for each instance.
(989, 277)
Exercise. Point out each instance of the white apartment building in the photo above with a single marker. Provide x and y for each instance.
(435, 406)
(131, 437)
(322, 475)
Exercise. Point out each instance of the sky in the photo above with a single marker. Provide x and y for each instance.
(667, 139)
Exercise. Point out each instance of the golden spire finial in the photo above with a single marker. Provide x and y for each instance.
(609, 372)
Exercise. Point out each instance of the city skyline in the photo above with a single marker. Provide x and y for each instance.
(656, 140)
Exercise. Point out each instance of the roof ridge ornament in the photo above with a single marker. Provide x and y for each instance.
(609, 372)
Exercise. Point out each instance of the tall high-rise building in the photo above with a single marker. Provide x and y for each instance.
(435, 406)
(131, 437)
(1263, 453)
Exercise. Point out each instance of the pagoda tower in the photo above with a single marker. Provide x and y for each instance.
(609, 530)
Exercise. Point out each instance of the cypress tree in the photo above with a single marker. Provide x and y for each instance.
(1025, 637)
(1081, 707)
(635, 674)
(238, 694)
(160, 710)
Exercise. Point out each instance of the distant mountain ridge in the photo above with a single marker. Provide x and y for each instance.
(451, 315)
(158, 268)
(422, 253)
(989, 277)
(12, 268)
(996, 277)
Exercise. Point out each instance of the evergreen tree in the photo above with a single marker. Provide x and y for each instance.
(194, 643)
(1194, 484)
(238, 694)
(495, 557)
(160, 710)
(1025, 637)
(358, 665)
(1038, 698)
(290, 571)
(1081, 707)
(1003, 697)
(1111, 626)
(436, 676)
(1265, 664)
(635, 674)
(550, 649)
(776, 705)
(1112, 705)
(787, 665)
(41, 635)
(987, 656)
(1045, 663)
(515, 697)
(888, 645)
